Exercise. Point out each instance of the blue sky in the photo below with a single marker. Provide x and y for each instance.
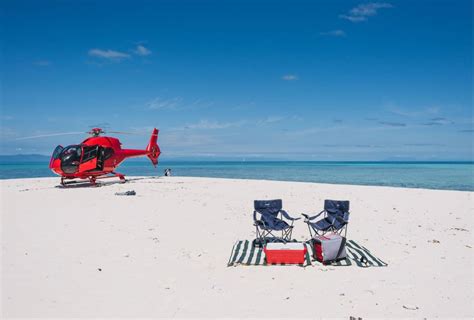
(300, 80)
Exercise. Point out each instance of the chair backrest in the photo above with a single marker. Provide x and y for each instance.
(271, 207)
(337, 208)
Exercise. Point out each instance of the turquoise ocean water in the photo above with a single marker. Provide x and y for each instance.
(431, 175)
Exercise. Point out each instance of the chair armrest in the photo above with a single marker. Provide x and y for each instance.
(287, 216)
(340, 219)
(308, 218)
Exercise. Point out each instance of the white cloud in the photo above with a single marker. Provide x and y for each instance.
(108, 54)
(438, 121)
(334, 33)
(7, 133)
(363, 11)
(352, 18)
(271, 119)
(142, 51)
(182, 139)
(414, 112)
(164, 104)
(42, 63)
(206, 124)
(198, 104)
(392, 124)
(210, 124)
(178, 104)
(290, 77)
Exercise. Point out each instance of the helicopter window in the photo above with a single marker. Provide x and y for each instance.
(108, 152)
(57, 152)
(72, 151)
(90, 152)
(70, 158)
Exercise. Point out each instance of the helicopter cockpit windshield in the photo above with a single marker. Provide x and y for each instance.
(70, 159)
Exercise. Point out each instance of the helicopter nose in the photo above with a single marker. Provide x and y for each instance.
(55, 166)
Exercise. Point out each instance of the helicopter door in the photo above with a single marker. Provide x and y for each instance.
(89, 160)
(88, 165)
(100, 158)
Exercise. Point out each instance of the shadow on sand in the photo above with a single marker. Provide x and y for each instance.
(88, 184)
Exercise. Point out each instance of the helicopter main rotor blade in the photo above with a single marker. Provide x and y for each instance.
(49, 135)
(134, 133)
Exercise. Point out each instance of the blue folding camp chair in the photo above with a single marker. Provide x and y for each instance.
(269, 222)
(335, 218)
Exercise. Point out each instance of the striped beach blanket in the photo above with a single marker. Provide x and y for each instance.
(244, 253)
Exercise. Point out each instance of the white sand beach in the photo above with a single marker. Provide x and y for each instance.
(85, 252)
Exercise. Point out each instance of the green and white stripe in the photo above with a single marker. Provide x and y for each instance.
(244, 253)
(362, 256)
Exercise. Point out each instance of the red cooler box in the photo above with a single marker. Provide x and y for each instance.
(288, 253)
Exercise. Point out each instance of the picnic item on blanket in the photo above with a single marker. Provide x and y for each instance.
(245, 254)
(334, 218)
(287, 253)
(126, 193)
(271, 222)
(330, 247)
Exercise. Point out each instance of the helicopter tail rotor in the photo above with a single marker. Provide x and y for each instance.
(153, 148)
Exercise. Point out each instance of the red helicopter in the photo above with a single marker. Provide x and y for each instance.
(97, 157)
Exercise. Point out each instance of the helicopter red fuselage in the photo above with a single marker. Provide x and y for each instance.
(97, 157)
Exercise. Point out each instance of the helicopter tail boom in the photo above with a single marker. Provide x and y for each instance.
(152, 150)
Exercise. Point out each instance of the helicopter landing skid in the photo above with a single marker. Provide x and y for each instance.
(120, 176)
(93, 179)
(114, 175)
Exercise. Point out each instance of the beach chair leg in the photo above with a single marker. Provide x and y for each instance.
(258, 237)
(288, 233)
(264, 236)
(284, 236)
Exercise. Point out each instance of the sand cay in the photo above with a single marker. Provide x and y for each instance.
(85, 252)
